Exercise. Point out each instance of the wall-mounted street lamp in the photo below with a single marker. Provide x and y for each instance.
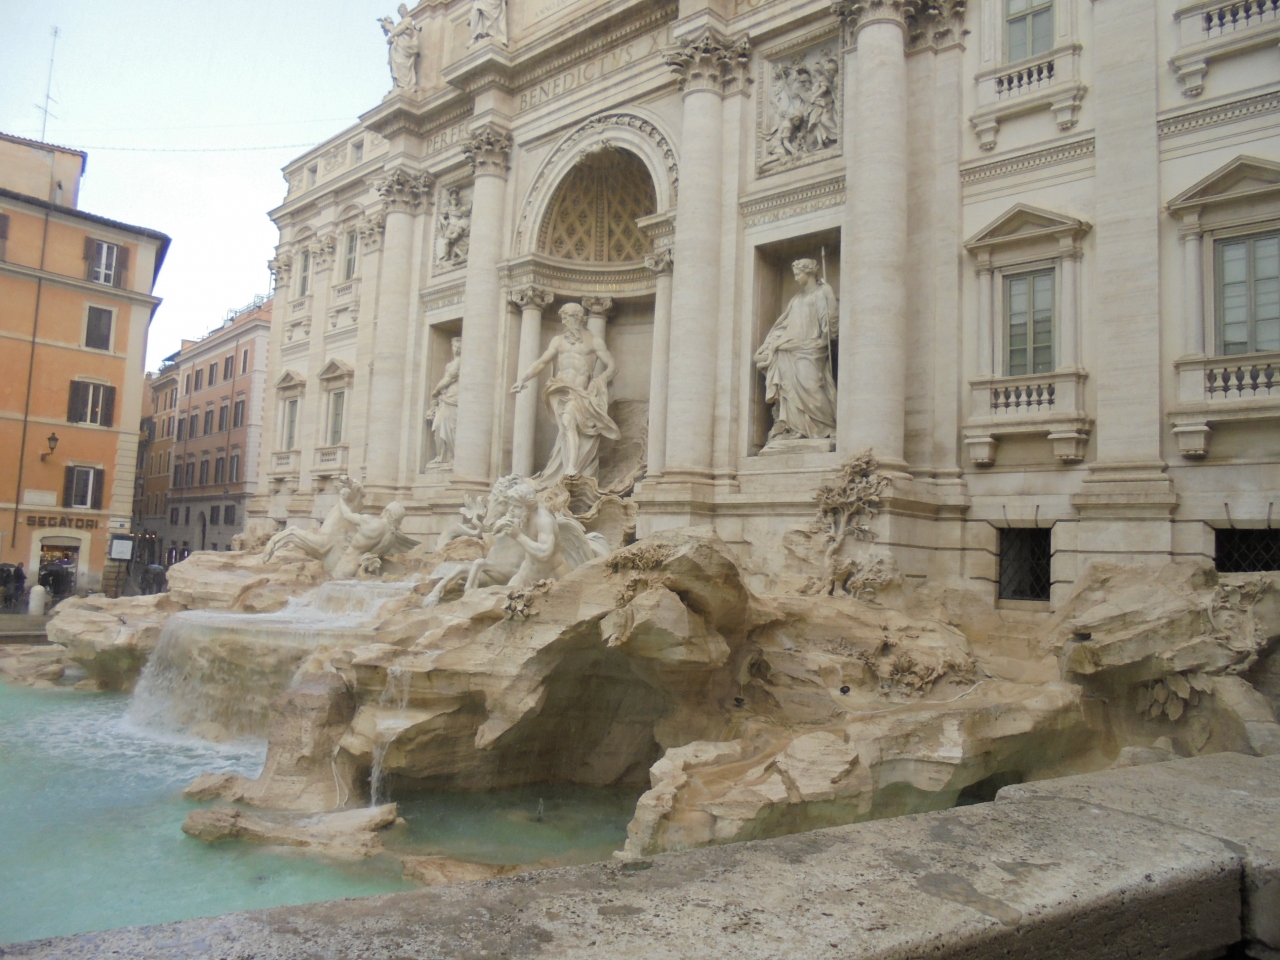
(53, 445)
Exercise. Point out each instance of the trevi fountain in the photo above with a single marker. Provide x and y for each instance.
(694, 424)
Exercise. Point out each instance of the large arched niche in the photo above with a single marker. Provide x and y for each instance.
(630, 131)
(591, 217)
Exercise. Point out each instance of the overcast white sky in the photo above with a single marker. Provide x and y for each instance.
(170, 75)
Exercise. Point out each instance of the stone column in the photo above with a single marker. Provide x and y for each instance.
(659, 364)
(532, 301)
(1194, 340)
(487, 150)
(1069, 354)
(311, 420)
(403, 194)
(986, 319)
(706, 64)
(871, 410)
(597, 313)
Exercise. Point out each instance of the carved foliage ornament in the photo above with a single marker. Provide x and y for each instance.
(922, 19)
(404, 191)
(532, 296)
(711, 61)
(661, 261)
(488, 150)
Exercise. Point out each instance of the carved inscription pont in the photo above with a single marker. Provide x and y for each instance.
(593, 70)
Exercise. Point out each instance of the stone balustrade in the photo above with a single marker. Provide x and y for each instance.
(285, 463)
(1223, 389)
(1051, 81)
(330, 461)
(1167, 861)
(1044, 404)
(1212, 30)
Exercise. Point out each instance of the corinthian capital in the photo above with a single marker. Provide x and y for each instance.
(532, 296)
(488, 150)
(322, 249)
(858, 13)
(711, 61)
(371, 227)
(281, 265)
(660, 261)
(405, 191)
(597, 306)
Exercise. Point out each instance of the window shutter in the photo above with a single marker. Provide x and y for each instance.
(122, 266)
(78, 402)
(90, 254)
(108, 405)
(68, 486)
(4, 226)
(99, 480)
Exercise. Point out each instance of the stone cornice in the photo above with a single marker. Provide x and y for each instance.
(793, 201)
(405, 191)
(488, 150)
(1075, 150)
(1257, 106)
(710, 60)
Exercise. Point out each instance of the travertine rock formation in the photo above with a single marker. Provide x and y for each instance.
(111, 639)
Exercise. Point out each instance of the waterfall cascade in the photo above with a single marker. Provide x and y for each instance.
(223, 667)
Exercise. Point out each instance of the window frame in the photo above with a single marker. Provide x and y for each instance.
(199, 379)
(1028, 16)
(304, 273)
(208, 422)
(238, 412)
(335, 433)
(1007, 277)
(111, 327)
(228, 368)
(1218, 241)
(99, 270)
(350, 257)
(233, 468)
(289, 424)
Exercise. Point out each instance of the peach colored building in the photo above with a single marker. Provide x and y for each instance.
(75, 305)
(206, 413)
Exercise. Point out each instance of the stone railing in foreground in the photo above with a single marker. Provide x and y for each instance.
(1170, 861)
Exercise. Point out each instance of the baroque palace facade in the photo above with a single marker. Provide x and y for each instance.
(1026, 252)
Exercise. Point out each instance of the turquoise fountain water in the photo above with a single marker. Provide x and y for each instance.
(91, 813)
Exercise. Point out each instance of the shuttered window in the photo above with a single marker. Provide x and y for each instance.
(233, 475)
(82, 487)
(238, 418)
(105, 262)
(204, 472)
(4, 233)
(229, 367)
(97, 329)
(229, 514)
(91, 403)
(1249, 294)
(220, 470)
(224, 413)
(208, 421)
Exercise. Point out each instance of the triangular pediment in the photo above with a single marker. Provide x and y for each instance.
(1025, 222)
(336, 369)
(291, 379)
(1244, 177)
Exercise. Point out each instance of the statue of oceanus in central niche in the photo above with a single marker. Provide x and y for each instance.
(577, 396)
(795, 359)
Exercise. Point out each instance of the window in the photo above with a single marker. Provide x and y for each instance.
(97, 329)
(4, 233)
(186, 522)
(224, 415)
(208, 421)
(215, 516)
(304, 274)
(220, 470)
(177, 477)
(173, 398)
(213, 373)
(244, 361)
(1025, 557)
(1249, 294)
(182, 429)
(290, 423)
(237, 419)
(82, 487)
(187, 388)
(193, 426)
(204, 472)
(1028, 28)
(189, 480)
(199, 380)
(337, 400)
(233, 475)
(91, 403)
(349, 264)
(229, 515)
(173, 516)
(229, 367)
(1247, 551)
(105, 262)
(1028, 307)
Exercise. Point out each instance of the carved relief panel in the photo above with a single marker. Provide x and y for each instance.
(799, 104)
(453, 228)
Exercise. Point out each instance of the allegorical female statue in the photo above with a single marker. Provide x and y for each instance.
(577, 395)
(444, 412)
(402, 52)
(489, 19)
(796, 360)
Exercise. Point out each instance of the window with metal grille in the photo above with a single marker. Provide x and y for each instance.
(1247, 551)
(1025, 556)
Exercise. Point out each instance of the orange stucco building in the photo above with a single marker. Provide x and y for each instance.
(75, 305)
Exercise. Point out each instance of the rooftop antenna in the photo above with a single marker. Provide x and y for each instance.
(48, 87)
